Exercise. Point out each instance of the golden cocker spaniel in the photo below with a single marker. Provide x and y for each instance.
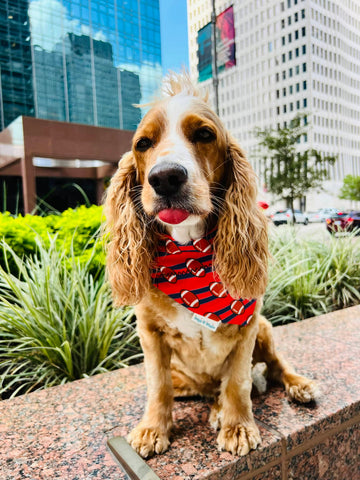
(189, 248)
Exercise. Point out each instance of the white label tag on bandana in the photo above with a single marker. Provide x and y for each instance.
(205, 322)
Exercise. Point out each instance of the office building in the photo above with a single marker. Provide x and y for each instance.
(84, 61)
(292, 56)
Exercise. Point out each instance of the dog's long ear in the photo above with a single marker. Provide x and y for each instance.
(130, 244)
(241, 243)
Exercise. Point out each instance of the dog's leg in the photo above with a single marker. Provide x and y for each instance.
(297, 387)
(238, 433)
(151, 435)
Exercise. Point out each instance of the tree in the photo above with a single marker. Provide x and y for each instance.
(289, 173)
(351, 188)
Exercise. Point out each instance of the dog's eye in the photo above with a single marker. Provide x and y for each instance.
(204, 135)
(143, 144)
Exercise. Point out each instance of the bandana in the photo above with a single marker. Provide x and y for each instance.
(185, 273)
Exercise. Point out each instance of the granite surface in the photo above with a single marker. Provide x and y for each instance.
(62, 432)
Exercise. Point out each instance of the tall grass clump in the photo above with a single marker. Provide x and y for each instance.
(308, 278)
(57, 322)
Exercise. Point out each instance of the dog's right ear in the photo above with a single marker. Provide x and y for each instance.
(129, 243)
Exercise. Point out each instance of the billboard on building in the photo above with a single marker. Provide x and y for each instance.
(225, 45)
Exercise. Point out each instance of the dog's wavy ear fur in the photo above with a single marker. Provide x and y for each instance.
(241, 242)
(129, 242)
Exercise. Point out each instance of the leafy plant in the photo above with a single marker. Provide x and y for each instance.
(308, 278)
(351, 188)
(57, 323)
(76, 232)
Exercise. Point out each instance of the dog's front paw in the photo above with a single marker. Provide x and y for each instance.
(147, 441)
(239, 439)
(301, 389)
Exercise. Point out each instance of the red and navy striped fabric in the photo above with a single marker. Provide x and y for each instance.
(184, 273)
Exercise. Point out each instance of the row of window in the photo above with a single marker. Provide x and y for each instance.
(291, 107)
(297, 16)
(296, 36)
(290, 3)
(293, 54)
(292, 70)
(291, 89)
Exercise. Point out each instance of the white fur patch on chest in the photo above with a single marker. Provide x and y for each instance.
(186, 325)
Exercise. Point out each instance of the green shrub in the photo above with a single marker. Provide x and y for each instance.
(76, 232)
(308, 278)
(57, 323)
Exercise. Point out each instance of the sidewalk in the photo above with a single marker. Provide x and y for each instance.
(62, 432)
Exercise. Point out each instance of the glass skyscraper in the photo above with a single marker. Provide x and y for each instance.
(84, 61)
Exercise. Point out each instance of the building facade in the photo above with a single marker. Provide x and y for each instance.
(84, 61)
(292, 56)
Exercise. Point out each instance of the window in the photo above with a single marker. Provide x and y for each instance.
(289, 36)
(290, 72)
(290, 90)
(284, 108)
(297, 104)
(305, 102)
(291, 107)
(303, 31)
(283, 58)
(304, 49)
(304, 67)
(303, 13)
(278, 110)
(297, 69)
(304, 85)
(284, 75)
(298, 87)
(277, 93)
(284, 92)
(282, 23)
(296, 34)
(296, 17)
(297, 52)
(277, 77)
(290, 55)
(283, 40)
(289, 20)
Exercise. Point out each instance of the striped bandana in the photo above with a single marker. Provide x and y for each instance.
(184, 273)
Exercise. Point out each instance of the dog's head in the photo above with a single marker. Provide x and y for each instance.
(179, 151)
(185, 170)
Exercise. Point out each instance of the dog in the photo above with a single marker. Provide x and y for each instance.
(187, 185)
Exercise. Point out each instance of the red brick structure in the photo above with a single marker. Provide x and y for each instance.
(27, 138)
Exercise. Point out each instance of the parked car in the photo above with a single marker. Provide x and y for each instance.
(321, 214)
(285, 216)
(344, 222)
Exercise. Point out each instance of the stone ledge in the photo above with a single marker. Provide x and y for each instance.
(62, 432)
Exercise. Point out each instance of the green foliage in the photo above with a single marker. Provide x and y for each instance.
(75, 232)
(289, 173)
(57, 324)
(308, 278)
(351, 188)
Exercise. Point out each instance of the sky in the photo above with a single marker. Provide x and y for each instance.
(174, 39)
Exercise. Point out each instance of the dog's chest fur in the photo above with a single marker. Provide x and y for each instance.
(194, 347)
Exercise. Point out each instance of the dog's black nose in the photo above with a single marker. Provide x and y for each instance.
(167, 178)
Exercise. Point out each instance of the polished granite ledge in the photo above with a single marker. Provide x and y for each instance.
(62, 432)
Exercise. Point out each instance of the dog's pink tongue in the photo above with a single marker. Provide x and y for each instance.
(173, 215)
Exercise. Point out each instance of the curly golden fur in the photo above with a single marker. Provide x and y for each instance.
(219, 189)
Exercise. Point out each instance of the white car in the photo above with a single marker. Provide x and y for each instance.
(321, 215)
(282, 217)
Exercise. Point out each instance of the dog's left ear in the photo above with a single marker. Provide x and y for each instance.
(241, 242)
